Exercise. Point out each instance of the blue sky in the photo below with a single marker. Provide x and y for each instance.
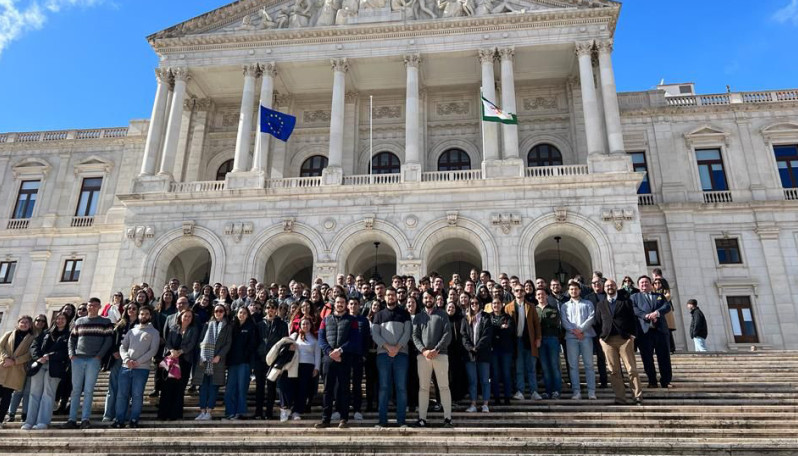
(85, 63)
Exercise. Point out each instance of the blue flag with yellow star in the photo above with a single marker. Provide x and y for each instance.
(276, 123)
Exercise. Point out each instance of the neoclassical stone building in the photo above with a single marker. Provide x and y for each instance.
(390, 148)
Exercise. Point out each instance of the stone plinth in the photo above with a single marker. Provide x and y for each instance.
(151, 184)
(248, 179)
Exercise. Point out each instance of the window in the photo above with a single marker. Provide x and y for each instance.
(89, 197)
(226, 167)
(652, 253)
(728, 251)
(385, 163)
(787, 161)
(685, 90)
(710, 170)
(639, 165)
(2, 314)
(742, 319)
(7, 269)
(454, 160)
(26, 199)
(544, 155)
(313, 166)
(71, 270)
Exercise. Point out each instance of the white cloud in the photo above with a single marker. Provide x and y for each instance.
(788, 14)
(18, 17)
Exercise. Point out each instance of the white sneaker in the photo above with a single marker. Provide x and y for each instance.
(485, 408)
(39, 427)
(576, 397)
(358, 416)
(200, 417)
(26, 427)
(536, 396)
(207, 417)
(592, 396)
(335, 416)
(284, 415)
(296, 417)
(519, 396)
(471, 409)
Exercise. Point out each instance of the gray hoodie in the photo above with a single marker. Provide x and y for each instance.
(140, 344)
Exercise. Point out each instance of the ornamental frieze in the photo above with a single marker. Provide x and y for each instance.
(453, 108)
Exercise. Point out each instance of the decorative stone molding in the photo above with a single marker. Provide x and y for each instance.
(706, 135)
(584, 48)
(487, 55)
(93, 164)
(319, 115)
(782, 131)
(618, 216)
(163, 75)
(138, 233)
(329, 224)
(340, 64)
(604, 46)
(368, 222)
(288, 224)
(506, 53)
(237, 230)
(203, 104)
(351, 97)
(768, 233)
(560, 214)
(452, 108)
(387, 112)
(736, 285)
(32, 167)
(540, 103)
(451, 217)
(411, 221)
(188, 228)
(505, 221)
(282, 99)
(412, 60)
(251, 69)
(180, 74)
(268, 69)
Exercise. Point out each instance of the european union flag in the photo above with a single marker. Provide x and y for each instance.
(276, 123)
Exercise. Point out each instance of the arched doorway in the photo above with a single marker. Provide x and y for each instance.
(290, 262)
(362, 259)
(453, 256)
(573, 255)
(189, 265)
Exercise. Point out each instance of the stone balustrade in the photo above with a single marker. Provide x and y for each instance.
(450, 176)
(18, 224)
(82, 222)
(774, 96)
(646, 200)
(63, 135)
(196, 187)
(372, 179)
(294, 182)
(556, 171)
(791, 194)
(718, 197)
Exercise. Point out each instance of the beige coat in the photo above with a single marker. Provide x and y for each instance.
(14, 377)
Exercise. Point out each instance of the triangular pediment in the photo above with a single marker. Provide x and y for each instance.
(259, 15)
(781, 130)
(706, 134)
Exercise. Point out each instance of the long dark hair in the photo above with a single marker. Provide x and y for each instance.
(236, 322)
(159, 307)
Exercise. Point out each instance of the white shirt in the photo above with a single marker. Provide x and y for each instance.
(521, 318)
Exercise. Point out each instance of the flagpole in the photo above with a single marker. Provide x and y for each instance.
(371, 136)
(481, 123)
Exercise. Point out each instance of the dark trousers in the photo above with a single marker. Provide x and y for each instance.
(336, 387)
(357, 382)
(5, 400)
(412, 380)
(265, 391)
(565, 355)
(655, 342)
(173, 393)
(302, 386)
(601, 361)
(372, 380)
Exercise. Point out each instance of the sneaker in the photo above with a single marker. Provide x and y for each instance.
(536, 396)
(26, 427)
(403, 426)
(200, 417)
(381, 425)
(471, 409)
(576, 396)
(9, 419)
(85, 424)
(519, 396)
(485, 408)
(117, 425)
(555, 395)
(447, 423)
(107, 419)
(358, 416)
(133, 424)
(296, 416)
(545, 396)
(284, 415)
(335, 416)
(592, 396)
(40, 427)
(322, 425)
(343, 424)
(231, 418)
(69, 425)
(208, 416)
(421, 423)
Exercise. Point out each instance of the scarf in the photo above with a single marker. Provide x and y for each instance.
(208, 345)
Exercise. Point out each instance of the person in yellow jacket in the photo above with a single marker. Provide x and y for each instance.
(14, 357)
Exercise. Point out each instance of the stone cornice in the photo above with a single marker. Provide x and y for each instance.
(712, 109)
(385, 31)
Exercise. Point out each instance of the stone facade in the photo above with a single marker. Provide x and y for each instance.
(410, 88)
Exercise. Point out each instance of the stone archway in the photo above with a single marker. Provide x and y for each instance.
(453, 256)
(173, 244)
(574, 256)
(362, 258)
(290, 262)
(191, 264)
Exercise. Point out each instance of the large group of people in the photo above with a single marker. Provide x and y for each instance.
(477, 337)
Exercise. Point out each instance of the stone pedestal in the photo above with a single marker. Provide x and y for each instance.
(248, 179)
(602, 163)
(151, 184)
(411, 172)
(493, 169)
(332, 175)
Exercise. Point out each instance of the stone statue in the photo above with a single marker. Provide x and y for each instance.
(300, 14)
(281, 19)
(373, 4)
(266, 21)
(343, 15)
(407, 6)
(451, 8)
(246, 23)
(468, 7)
(329, 9)
(424, 7)
(483, 7)
(504, 6)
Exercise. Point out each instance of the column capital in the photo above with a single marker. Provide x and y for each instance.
(487, 55)
(412, 60)
(340, 64)
(584, 48)
(269, 69)
(604, 46)
(507, 53)
(189, 103)
(204, 104)
(251, 70)
(163, 76)
(180, 74)
(351, 97)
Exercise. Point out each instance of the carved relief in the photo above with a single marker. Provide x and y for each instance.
(288, 224)
(560, 214)
(237, 230)
(188, 228)
(387, 112)
(584, 48)
(319, 115)
(505, 221)
(617, 216)
(540, 103)
(368, 222)
(453, 108)
(138, 233)
(412, 60)
(451, 218)
(339, 65)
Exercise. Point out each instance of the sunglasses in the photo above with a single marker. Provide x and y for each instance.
(40, 321)
(82, 309)
(218, 311)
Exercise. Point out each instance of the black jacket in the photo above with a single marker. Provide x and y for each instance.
(698, 325)
(245, 343)
(623, 322)
(56, 345)
(481, 350)
(270, 332)
(504, 339)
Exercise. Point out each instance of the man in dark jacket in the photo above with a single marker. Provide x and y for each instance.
(652, 332)
(339, 338)
(271, 329)
(698, 326)
(616, 325)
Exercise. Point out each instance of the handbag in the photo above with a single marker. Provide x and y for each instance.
(34, 369)
(171, 367)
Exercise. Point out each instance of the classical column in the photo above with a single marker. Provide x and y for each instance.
(490, 130)
(153, 145)
(411, 169)
(333, 174)
(612, 113)
(261, 157)
(175, 118)
(509, 132)
(584, 50)
(244, 137)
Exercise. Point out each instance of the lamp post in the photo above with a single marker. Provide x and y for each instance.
(561, 274)
(376, 275)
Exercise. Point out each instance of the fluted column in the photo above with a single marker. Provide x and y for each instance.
(584, 51)
(490, 130)
(411, 169)
(612, 113)
(152, 147)
(509, 132)
(333, 174)
(244, 137)
(261, 157)
(175, 119)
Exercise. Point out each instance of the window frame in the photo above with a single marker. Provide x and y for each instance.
(312, 171)
(551, 147)
(709, 163)
(793, 172)
(390, 168)
(446, 154)
(739, 307)
(647, 177)
(72, 278)
(736, 239)
(229, 164)
(11, 269)
(646, 250)
(28, 193)
(94, 194)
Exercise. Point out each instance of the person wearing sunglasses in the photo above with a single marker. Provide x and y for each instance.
(215, 341)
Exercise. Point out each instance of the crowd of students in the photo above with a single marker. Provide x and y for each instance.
(476, 337)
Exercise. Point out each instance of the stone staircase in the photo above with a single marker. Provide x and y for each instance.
(722, 404)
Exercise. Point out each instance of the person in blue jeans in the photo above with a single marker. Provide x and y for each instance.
(550, 329)
(50, 351)
(137, 350)
(244, 345)
(113, 361)
(91, 338)
(527, 331)
(477, 336)
(577, 319)
(503, 347)
(391, 330)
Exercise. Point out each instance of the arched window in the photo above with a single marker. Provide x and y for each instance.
(454, 160)
(224, 169)
(544, 155)
(385, 163)
(313, 166)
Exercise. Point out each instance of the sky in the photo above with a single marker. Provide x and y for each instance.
(73, 64)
